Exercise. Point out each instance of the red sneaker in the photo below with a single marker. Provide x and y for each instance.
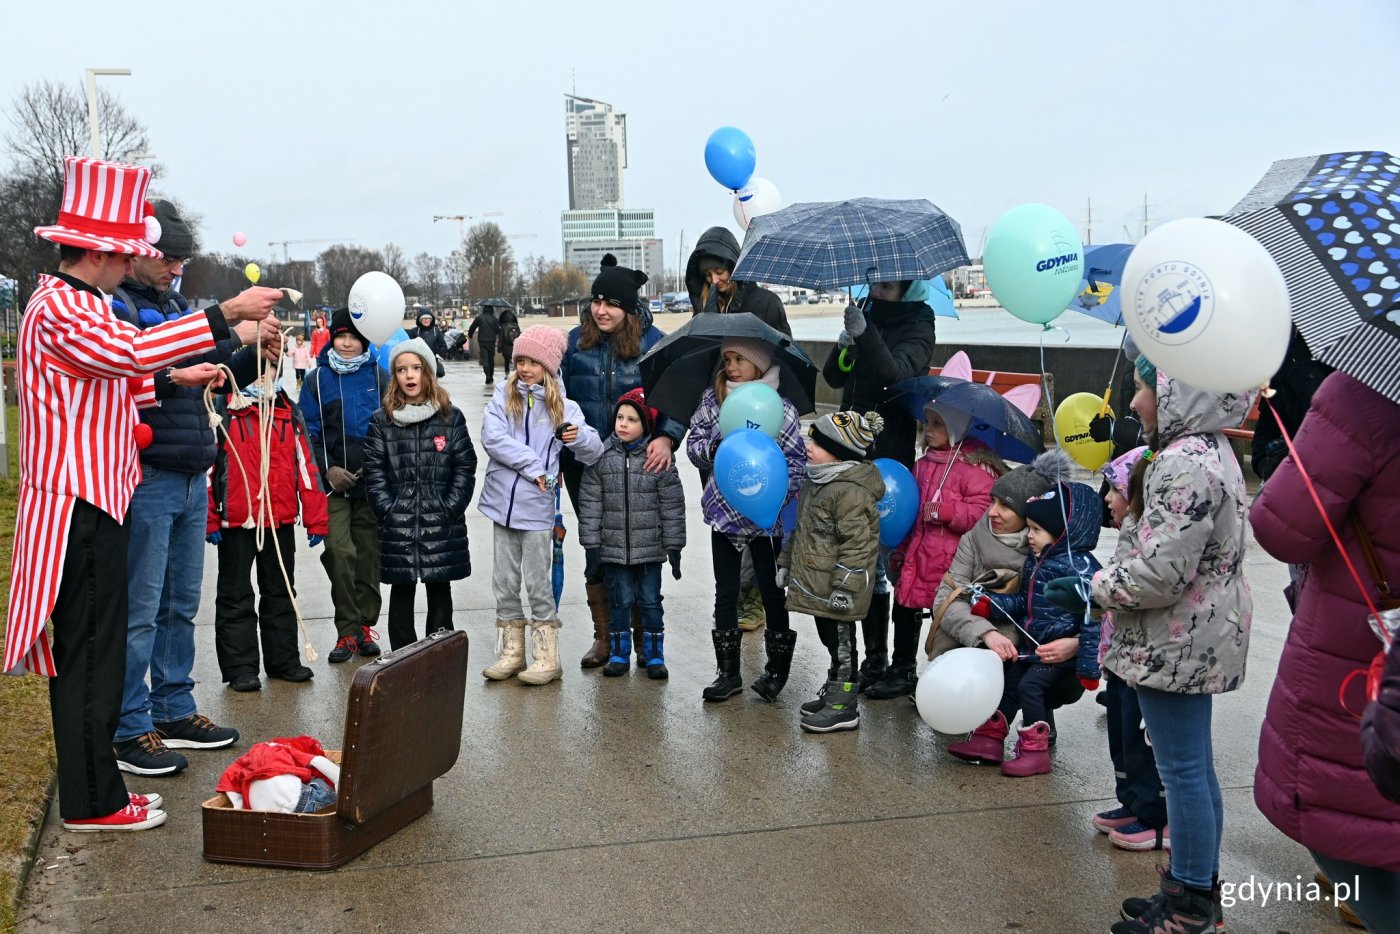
(128, 818)
(149, 802)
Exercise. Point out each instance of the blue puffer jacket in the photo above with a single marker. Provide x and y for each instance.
(594, 379)
(337, 411)
(181, 438)
(1070, 554)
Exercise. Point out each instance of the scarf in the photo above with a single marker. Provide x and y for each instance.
(825, 473)
(346, 367)
(413, 414)
(1016, 540)
(769, 378)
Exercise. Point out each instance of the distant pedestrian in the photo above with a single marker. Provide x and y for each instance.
(345, 390)
(239, 504)
(320, 337)
(301, 358)
(528, 422)
(486, 328)
(636, 520)
(420, 470)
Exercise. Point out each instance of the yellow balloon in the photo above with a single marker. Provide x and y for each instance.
(253, 272)
(1072, 430)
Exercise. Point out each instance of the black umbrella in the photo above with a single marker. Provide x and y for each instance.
(994, 420)
(678, 370)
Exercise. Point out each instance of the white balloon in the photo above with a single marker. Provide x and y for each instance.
(758, 197)
(960, 690)
(1207, 304)
(377, 306)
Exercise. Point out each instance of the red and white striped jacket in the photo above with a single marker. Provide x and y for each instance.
(81, 374)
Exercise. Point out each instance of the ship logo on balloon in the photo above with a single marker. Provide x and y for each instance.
(1175, 301)
(747, 481)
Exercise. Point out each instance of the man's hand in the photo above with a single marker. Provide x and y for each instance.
(268, 329)
(1004, 647)
(658, 455)
(251, 304)
(198, 375)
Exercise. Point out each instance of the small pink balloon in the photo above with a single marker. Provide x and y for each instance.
(239, 238)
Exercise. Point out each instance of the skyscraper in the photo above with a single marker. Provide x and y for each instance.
(597, 149)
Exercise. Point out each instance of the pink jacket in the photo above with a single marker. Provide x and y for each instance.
(1311, 782)
(967, 492)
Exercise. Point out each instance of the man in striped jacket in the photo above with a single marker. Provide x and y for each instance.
(81, 375)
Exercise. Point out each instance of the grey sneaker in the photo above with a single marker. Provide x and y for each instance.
(839, 712)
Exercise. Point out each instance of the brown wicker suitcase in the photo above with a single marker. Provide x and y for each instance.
(403, 729)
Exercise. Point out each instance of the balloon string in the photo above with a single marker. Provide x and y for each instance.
(1062, 493)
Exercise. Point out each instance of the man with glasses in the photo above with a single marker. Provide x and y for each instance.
(165, 568)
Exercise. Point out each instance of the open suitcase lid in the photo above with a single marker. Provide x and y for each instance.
(403, 727)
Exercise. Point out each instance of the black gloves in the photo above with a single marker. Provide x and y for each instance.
(675, 558)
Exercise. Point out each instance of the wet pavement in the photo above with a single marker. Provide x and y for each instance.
(627, 804)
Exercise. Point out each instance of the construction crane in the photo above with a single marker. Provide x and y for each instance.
(524, 236)
(286, 256)
(462, 219)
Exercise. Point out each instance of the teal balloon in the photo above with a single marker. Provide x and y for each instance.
(382, 351)
(752, 474)
(729, 155)
(1034, 261)
(755, 406)
(899, 507)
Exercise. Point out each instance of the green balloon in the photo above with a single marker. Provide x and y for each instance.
(1034, 260)
(755, 406)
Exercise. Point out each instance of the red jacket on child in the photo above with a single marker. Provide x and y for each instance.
(291, 476)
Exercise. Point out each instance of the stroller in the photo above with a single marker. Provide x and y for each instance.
(457, 346)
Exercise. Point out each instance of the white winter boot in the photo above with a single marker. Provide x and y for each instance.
(544, 646)
(511, 642)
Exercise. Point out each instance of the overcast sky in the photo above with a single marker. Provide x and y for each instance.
(358, 121)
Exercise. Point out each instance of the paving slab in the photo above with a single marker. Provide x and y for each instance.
(628, 804)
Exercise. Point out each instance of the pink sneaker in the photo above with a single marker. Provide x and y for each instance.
(1138, 836)
(149, 802)
(1032, 752)
(1107, 821)
(128, 818)
(986, 745)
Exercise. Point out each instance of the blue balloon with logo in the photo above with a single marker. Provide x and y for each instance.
(752, 473)
(1034, 261)
(754, 406)
(899, 507)
(729, 155)
(383, 350)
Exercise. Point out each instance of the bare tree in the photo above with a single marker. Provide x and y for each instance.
(427, 270)
(395, 263)
(490, 260)
(339, 266)
(457, 273)
(558, 281)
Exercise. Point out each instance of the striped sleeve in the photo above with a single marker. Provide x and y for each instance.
(86, 344)
(143, 391)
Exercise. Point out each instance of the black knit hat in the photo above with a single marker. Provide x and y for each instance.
(176, 238)
(1049, 510)
(342, 322)
(618, 284)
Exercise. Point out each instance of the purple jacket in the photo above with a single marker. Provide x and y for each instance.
(521, 452)
(1311, 782)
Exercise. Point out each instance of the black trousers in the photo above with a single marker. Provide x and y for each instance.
(487, 351)
(89, 648)
(401, 597)
(839, 637)
(728, 562)
(573, 479)
(1036, 690)
(238, 628)
(1136, 782)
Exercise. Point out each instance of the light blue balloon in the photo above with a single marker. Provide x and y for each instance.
(729, 156)
(899, 507)
(752, 474)
(1034, 262)
(382, 351)
(755, 406)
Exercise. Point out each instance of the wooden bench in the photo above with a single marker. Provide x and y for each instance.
(1246, 430)
(1002, 381)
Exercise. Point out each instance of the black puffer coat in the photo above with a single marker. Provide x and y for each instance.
(897, 344)
(752, 297)
(634, 516)
(419, 479)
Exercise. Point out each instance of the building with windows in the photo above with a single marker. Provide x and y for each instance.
(597, 222)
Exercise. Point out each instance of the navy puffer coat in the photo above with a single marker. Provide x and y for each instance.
(419, 480)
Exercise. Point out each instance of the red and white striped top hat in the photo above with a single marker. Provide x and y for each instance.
(104, 208)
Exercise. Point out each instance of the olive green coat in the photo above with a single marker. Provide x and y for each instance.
(832, 553)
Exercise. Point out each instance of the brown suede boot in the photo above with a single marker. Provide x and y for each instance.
(602, 613)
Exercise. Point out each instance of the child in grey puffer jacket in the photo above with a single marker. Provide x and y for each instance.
(637, 520)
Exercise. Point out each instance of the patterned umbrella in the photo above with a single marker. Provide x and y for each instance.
(994, 419)
(825, 245)
(1332, 223)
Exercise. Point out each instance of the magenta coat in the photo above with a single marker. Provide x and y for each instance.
(966, 494)
(1311, 782)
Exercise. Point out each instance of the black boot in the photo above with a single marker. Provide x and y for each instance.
(875, 631)
(778, 646)
(726, 683)
(900, 679)
(826, 631)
